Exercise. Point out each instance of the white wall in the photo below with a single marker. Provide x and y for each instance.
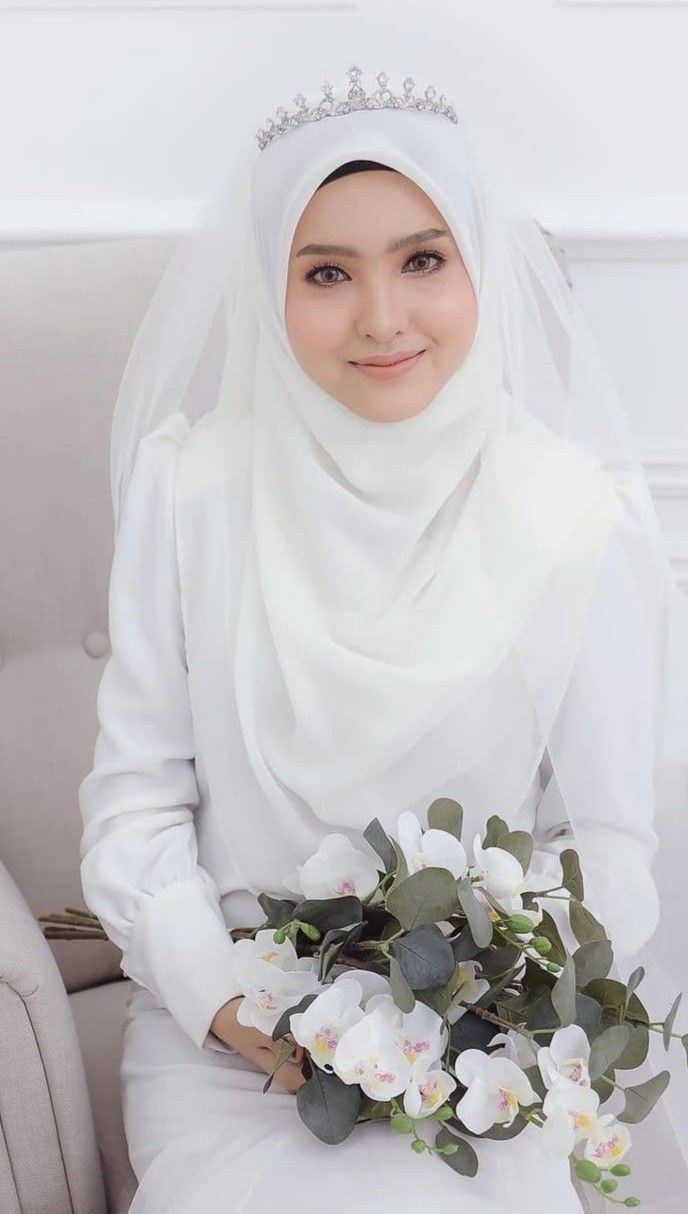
(114, 115)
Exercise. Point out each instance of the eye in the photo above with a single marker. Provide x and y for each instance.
(421, 254)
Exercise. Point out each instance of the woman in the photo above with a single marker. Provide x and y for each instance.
(340, 592)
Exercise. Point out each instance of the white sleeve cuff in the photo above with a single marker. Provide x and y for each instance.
(181, 950)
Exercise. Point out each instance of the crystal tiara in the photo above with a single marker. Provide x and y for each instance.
(356, 98)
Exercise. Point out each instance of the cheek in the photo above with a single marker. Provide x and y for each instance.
(314, 328)
(454, 312)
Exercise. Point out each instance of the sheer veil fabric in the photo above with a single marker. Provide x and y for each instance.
(413, 594)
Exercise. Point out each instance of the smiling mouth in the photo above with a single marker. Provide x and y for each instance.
(387, 361)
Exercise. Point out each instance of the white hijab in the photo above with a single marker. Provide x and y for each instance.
(396, 571)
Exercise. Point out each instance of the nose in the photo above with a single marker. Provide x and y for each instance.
(381, 312)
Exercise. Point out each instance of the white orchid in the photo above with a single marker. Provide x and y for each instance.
(467, 989)
(368, 1055)
(420, 1033)
(608, 1142)
(570, 1115)
(501, 874)
(496, 1088)
(427, 1090)
(515, 1046)
(429, 848)
(335, 870)
(320, 1027)
(272, 977)
(564, 1062)
(370, 982)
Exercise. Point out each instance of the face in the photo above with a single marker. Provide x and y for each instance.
(364, 299)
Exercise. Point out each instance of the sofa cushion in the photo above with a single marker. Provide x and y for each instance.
(99, 1016)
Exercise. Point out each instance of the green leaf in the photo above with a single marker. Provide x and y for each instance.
(592, 960)
(326, 913)
(610, 993)
(584, 925)
(684, 1043)
(479, 921)
(642, 1097)
(401, 871)
(464, 946)
(278, 910)
(572, 875)
(606, 1048)
(669, 1022)
(327, 1106)
(495, 830)
(425, 957)
(635, 1052)
(446, 814)
(563, 993)
(464, 1161)
(427, 896)
(380, 842)
(519, 843)
(547, 927)
(401, 992)
(437, 997)
(471, 1032)
(635, 979)
(284, 1050)
(335, 942)
(588, 1015)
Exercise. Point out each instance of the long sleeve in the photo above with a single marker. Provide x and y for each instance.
(602, 750)
(139, 867)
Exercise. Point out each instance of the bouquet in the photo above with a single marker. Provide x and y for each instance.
(426, 990)
(455, 1001)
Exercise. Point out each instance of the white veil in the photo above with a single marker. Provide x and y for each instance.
(558, 471)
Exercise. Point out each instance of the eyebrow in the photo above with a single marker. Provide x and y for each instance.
(401, 242)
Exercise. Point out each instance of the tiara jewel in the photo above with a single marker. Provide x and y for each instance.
(356, 98)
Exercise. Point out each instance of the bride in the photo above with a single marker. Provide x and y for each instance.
(381, 536)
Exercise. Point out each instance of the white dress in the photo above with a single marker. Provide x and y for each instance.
(178, 840)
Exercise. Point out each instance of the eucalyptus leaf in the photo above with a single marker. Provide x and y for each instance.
(437, 997)
(427, 896)
(642, 1097)
(635, 979)
(328, 1106)
(425, 957)
(471, 1032)
(464, 1160)
(326, 913)
(380, 842)
(584, 925)
(278, 910)
(572, 875)
(464, 946)
(592, 960)
(588, 1014)
(479, 921)
(563, 993)
(606, 1048)
(402, 871)
(495, 830)
(669, 1022)
(400, 990)
(636, 1050)
(446, 814)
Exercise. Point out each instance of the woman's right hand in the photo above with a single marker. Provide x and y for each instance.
(257, 1046)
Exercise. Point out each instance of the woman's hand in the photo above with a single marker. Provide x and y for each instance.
(257, 1046)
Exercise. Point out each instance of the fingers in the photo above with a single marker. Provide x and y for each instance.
(288, 1075)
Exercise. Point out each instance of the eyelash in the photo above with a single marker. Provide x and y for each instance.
(329, 265)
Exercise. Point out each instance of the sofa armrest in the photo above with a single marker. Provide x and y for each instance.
(49, 1157)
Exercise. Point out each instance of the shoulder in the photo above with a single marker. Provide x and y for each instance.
(212, 451)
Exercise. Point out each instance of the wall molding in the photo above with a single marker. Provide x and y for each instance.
(188, 6)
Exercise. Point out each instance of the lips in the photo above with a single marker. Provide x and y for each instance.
(386, 360)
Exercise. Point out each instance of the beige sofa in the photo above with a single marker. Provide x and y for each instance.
(71, 311)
